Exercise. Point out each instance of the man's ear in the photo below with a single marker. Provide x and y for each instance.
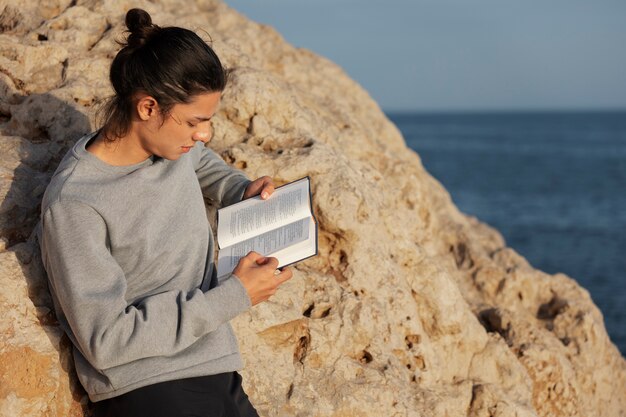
(147, 107)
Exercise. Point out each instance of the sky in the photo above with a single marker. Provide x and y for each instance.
(465, 55)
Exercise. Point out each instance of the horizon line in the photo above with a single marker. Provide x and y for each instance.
(521, 110)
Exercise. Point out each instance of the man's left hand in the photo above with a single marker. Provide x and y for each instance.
(263, 186)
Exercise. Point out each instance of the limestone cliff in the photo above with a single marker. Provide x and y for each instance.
(411, 308)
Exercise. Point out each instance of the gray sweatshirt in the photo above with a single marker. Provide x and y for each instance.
(128, 252)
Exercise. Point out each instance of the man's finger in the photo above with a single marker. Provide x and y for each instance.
(271, 262)
(262, 260)
(267, 187)
(268, 190)
(254, 256)
(284, 275)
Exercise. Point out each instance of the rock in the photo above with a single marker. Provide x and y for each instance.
(411, 307)
(77, 29)
(20, 17)
(34, 355)
(32, 68)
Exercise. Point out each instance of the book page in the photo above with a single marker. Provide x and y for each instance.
(251, 217)
(299, 251)
(266, 244)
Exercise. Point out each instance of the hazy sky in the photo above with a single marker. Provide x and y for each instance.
(465, 54)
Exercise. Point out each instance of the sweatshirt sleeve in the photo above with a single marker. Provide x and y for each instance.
(90, 289)
(219, 182)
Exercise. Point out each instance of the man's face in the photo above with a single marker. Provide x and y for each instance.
(176, 132)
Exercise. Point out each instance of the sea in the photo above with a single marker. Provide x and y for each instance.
(553, 183)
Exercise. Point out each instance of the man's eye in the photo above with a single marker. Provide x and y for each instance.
(191, 124)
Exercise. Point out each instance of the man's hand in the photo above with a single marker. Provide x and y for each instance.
(263, 186)
(257, 274)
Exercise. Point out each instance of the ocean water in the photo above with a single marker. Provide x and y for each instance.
(554, 184)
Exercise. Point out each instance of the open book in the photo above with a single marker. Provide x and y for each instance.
(282, 226)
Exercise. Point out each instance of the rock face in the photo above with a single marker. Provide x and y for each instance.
(411, 308)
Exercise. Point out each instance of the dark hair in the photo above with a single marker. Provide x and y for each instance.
(171, 64)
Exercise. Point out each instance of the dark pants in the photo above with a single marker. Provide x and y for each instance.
(207, 396)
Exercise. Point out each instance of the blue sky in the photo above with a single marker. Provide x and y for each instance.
(434, 55)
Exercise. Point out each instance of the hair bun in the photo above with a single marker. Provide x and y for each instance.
(137, 20)
(139, 24)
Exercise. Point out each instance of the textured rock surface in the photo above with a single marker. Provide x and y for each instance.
(411, 307)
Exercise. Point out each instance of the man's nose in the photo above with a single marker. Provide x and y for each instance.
(202, 135)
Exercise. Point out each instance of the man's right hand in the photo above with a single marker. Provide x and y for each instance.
(257, 274)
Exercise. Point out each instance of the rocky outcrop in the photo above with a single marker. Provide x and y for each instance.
(411, 308)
